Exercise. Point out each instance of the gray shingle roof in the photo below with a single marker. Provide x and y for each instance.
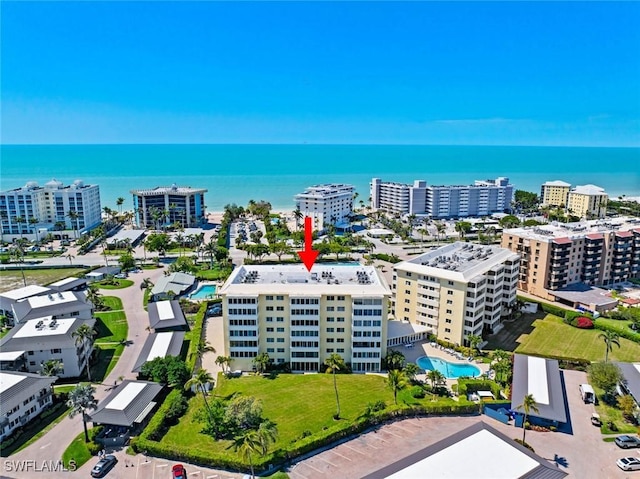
(554, 410)
(631, 374)
(172, 348)
(15, 389)
(126, 402)
(156, 321)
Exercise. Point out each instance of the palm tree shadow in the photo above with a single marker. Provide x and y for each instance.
(560, 461)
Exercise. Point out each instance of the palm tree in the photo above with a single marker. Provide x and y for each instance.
(221, 361)
(51, 367)
(474, 341)
(200, 381)
(73, 219)
(411, 370)
(261, 361)
(94, 296)
(70, 257)
(440, 228)
(396, 380)
(18, 254)
(394, 359)
(33, 222)
(83, 334)
(436, 378)
(119, 203)
(180, 240)
(610, 338)
(246, 444)
(267, 435)
(80, 401)
(298, 215)
(335, 363)
(528, 405)
(202, 348)
(20, 220)
(463, 227)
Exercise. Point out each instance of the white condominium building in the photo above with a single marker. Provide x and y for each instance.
(159, 206)
(301, 318)
(457, 290)
(555, 193)
(329, 204)
(483, 198)
(32, 209)
(588, 201)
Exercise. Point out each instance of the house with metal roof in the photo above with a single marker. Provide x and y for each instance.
(159, 345)
(57, 305)
(128, 404)
(23, 396)
(631, 382)
(9, 298)
(69, 284)
(48, 338)
(539, 377)
(102, 273)
(166, 316)
(175, 283)
(478, 451)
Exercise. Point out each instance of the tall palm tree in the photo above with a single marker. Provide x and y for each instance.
(267, 435)
(246, 444)
(528, 405)
(411, 370)
(474, 341)
(298, 215)
(119, 203)
(610, 338)
(180, 240)
(51, 367)
(396, 380)
(261, 361)
(83, 334)
(33, 222)
(200, 381)
(335, 363)
(80, 401)
(440, 229)
(20, 220)
(70, 257)
(73, 220)
(202, 348)
(436, 378)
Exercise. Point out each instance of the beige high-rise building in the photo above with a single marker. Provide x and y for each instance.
(588, 201)
(555, 193)
(301, 318)
(558, 255)
(457, 290)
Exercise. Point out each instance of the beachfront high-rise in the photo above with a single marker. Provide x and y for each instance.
(301, 318)
(586, 201)
(169, 205)
(483, 198)
(31, 210)
(555, 193)
(457, 290)
(328, 204)
(556, 256)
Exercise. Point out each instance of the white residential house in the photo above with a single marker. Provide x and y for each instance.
(45, 339)
(23, 396)
(62, 304)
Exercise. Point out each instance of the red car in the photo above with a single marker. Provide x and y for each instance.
(179, 472)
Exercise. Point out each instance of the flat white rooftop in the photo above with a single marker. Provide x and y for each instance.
(40, 327)
(64, 281)
(51, 299)
(165, 311)
(7, 381)
(294, 279)
(10, 355)
(537, 383)
(575, 230)
(124, 397)
(160, 346)
(25, 292)
(557, 183)
(479, 456)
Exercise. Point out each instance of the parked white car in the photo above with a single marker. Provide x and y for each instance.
(629, 464)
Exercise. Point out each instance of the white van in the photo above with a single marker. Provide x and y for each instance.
(587, 393)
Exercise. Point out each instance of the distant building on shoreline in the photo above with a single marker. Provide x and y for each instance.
(457, 290)
(586, 201)
(483, 198)
(158, 206)
(328, 204)
(32, 211)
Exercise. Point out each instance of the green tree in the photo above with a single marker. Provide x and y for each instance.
(261, 361)
(202, 348)
(246, 444)
(224, 362)
(74, 218)
(394, 360)
(610, 338)
(441, 228)
(627, 405)
(279, 248)
(335, 363)
(51, 367)
(169, 370)
(509, 221)
(200, 380)
(298, 215)
(127, 261)
(436, 378)
(528, 404)
(80, 400)
(463, 227)
(94, 297)
(84, 335)
(183, 264)
(474, 341)
(605, 375)
(396, 380)
(158, 242)
(119, 203)
(411, 370)
(525, 201)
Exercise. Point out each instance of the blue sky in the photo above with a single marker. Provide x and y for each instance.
(504, 73)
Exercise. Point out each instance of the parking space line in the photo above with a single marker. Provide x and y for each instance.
(325, 460)
(315, 469)
(354, 450)
(338, 454)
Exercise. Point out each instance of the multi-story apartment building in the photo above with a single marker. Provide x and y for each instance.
(398, 197)
(555, 193)
(329, 204)
(557, 255)
(65, 304)
(168, 205)
(45, 339)
(32, 209)
(588, 201)
(23, 396)
(301, 318)
(483, 198)
(457, 290)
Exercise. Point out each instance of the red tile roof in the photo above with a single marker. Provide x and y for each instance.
(595, 236)
(562, 241)
(624, 234)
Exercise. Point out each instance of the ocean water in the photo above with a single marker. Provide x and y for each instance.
(238, 173)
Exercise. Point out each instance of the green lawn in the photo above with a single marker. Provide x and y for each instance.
(108, 356)
(610, 413)
(119, 284)
(296, 403)
(77, 451)
(111, 327)
(551, 337)
(13, 279)
(214, 274)
(618, 325)
(113, 303)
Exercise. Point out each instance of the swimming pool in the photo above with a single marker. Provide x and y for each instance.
(450, 370)
(208, 291)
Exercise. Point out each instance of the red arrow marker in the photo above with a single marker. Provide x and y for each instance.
(308, 255)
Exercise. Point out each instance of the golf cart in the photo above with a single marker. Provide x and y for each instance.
(595, 419)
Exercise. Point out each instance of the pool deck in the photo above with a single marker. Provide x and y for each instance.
(425, 348)
(202, 284)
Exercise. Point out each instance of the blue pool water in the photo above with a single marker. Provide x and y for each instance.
(450, 370)
(207, 291)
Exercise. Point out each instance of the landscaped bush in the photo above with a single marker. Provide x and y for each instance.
(468, 386)
(573, 363)
(196, 334)
(582, 322)
(417, 392)
(158, 424)
(623, 333)
(546, 307)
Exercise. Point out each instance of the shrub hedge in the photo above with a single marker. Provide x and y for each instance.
(468, 386)
(196, 334)
(546, 307)
(627, 334)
